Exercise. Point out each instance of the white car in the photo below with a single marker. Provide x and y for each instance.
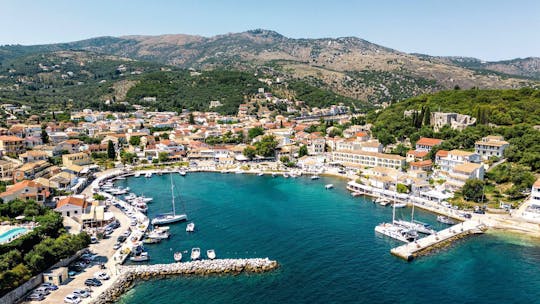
(81, 293)
(42, 290)
(100, 275)
(72, 299)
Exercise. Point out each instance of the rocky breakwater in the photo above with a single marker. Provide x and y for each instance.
(129, 274)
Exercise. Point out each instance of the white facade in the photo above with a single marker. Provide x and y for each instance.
(456, 157)
(368, 159)
(491, 146)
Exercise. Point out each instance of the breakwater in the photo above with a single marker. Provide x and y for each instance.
(129, 274)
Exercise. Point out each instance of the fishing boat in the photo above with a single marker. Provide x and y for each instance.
(190, 227)
(211, 254)
(169, 218)
(177, 256)
(445, 220)
(314, 177)
(142, 257)
(195, 253)
(329, 186)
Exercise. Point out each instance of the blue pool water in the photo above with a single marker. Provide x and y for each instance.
(326, 246)
(10, 234)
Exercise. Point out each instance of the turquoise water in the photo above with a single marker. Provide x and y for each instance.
(6, 236)
(326, 246)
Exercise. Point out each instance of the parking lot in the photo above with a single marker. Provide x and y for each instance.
(104, 251)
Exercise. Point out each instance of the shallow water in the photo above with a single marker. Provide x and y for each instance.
(326, 246)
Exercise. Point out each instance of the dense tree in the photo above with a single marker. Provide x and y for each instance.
(135, 141)
(249, 152)
(473, 190)
(254, 132)
(302, 151)
(266, 146)
(111, 153)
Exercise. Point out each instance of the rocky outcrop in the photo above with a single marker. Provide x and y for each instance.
(129, 274)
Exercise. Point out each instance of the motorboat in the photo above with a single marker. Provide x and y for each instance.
(177, 256)
(420, 227)
(190, 227)
(141, 207)
(159, 234)
(400, 205)
(274, 175)
(211, 254)
(314, 177)
(137, 174)
(149, 240)
(260, 174)
(285, 175)
(142, 257)
(355, 194)
(329, 186)
(130, 197)
(182, 173)
(383, 202)
(148, 175)
(445, 220)
(195, 253)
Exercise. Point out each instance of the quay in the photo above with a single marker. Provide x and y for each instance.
(422, 246)
(129, 274)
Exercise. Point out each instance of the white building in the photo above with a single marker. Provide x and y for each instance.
(368, 159)
(491, 146)
(535, 193)
(462, 172)
(454, 158)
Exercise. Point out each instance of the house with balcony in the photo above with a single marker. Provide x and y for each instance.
(11, 145)
(491, 146)
(463, 172)
(446, 161)
(79, 159)
(25, 190)
(426, 143)
(535, 193)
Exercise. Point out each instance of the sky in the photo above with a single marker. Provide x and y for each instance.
(488, 30)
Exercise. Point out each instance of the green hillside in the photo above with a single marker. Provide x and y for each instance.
(511, 113)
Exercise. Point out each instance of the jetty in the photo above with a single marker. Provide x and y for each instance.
(129, 274)
(444, 237)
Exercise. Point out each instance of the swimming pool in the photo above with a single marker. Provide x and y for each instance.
(10, 235)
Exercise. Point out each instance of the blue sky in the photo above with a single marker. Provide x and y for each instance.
(489, 30)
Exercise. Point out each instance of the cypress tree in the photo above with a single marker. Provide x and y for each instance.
(111, 153)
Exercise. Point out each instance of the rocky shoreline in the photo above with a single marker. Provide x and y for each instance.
(129, 274)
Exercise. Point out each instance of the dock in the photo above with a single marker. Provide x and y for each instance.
(414, 249)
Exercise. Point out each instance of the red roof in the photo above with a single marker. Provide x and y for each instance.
(424, 163)
(442, 153)
(70, 200)
(426, 141)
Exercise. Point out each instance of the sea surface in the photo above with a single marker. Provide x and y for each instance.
(326, 247)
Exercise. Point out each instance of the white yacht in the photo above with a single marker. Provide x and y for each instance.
(396, 232)
(414, 225)
(445, 220)
(178, 256)
(172, 217)
(260, 174)
(329, 186)
(314, 177)
(355, 194)
(182, 172)
(195, 253)
(190, 227)
(383, 202)
(211, 254)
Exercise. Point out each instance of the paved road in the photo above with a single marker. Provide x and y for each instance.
(104, 250)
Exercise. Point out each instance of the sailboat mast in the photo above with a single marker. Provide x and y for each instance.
(172, 194)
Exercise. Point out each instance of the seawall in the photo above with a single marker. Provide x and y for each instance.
(129, 274)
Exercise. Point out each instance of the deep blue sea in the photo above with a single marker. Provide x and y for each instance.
(326, 246)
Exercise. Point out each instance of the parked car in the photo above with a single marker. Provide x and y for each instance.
(81, 293)
(92, 282)
(93, 240)
(117, 246)
(72, 299)
(121, 239)
(42, 290)
(89, 256)
(34, 296)
(49, 286)
(100, 275)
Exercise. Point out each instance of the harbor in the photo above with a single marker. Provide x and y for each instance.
(441, 238)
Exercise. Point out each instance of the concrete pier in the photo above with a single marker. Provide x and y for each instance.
(411, 250)
(129, 274)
